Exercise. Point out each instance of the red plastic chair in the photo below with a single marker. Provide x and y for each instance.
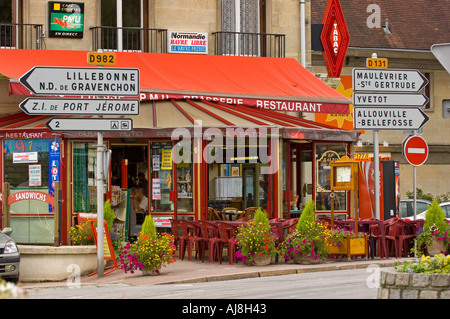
(190, 236)
(226, 232)
(378, 238)
(289, 226)
(211, 239)
(176, 230)
(392, 231)
(406, 238)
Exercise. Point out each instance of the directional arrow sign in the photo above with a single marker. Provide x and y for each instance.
(389, 99)
(61, 106)
(90, 124)
(386, 118)
(388, 80)
(82, 81)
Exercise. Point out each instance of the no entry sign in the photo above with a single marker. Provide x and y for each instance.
(415, 149)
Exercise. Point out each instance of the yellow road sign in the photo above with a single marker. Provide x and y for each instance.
(377, 63)
(100, 58)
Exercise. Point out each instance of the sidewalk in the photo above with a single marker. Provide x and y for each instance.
(183, 271)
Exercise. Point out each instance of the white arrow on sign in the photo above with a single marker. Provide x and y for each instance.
(386, 118)
(62, 106)
(82, 81)
(389, 99)
(90, 124)
(388, 80)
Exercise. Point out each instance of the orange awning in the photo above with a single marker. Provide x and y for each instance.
(280, 84)
(160, 118)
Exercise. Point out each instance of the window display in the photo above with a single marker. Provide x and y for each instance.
(161, 177)
(84, 184)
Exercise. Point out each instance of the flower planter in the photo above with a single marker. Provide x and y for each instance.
(151, 272)
(436, 247)
(261, 260)
(305, 260)
(350, 246)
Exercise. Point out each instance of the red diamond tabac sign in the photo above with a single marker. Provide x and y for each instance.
(335, 38)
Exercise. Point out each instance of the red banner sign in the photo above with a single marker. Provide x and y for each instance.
(31, 195)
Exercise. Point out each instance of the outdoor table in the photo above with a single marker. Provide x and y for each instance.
(231, 213)
(295, 213)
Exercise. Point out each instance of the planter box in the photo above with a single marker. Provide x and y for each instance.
(48, 263)
(350, 247)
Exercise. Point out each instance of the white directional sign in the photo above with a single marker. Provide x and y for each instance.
(387, 118)
(442, 52)
(59, 106)
(90, 124)
(82, 81)
(388, 80)
(389, 99)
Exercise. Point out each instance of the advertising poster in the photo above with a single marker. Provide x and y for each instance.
(188, 42)
(156, 189)
(34, 175)
(66, 19)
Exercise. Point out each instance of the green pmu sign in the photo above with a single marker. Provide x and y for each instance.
(66, 19)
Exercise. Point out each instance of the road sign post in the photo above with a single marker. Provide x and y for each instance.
(388, 80)
(386, 118)
(82, 81)
(97, 81)
(387, 99)
(415, 150)
(63, 106)
(90, 124)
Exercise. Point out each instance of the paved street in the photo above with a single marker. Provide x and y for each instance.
(341, 284)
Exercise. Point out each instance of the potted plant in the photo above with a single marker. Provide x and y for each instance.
(81, 234)
(307, 243)
(341, 241)
(434, 236)
(254, 240)
(150, 252)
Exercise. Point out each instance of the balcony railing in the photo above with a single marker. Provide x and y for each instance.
(249, 44)
(20, 36)
(129, 39)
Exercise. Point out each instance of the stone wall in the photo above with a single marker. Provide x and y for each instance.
(400, 285)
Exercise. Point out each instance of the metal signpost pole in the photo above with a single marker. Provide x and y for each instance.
(376, 168)
(414, 187)
(100, 228)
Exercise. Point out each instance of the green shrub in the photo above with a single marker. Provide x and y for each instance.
(261, 217)
(108, 214)
(435, 216)
(148, 227)
(306, 217)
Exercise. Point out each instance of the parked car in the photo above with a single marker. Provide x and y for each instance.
(9, 257)
(445, 207)
(407, 209)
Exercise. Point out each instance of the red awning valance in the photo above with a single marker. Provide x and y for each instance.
(268, 83)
